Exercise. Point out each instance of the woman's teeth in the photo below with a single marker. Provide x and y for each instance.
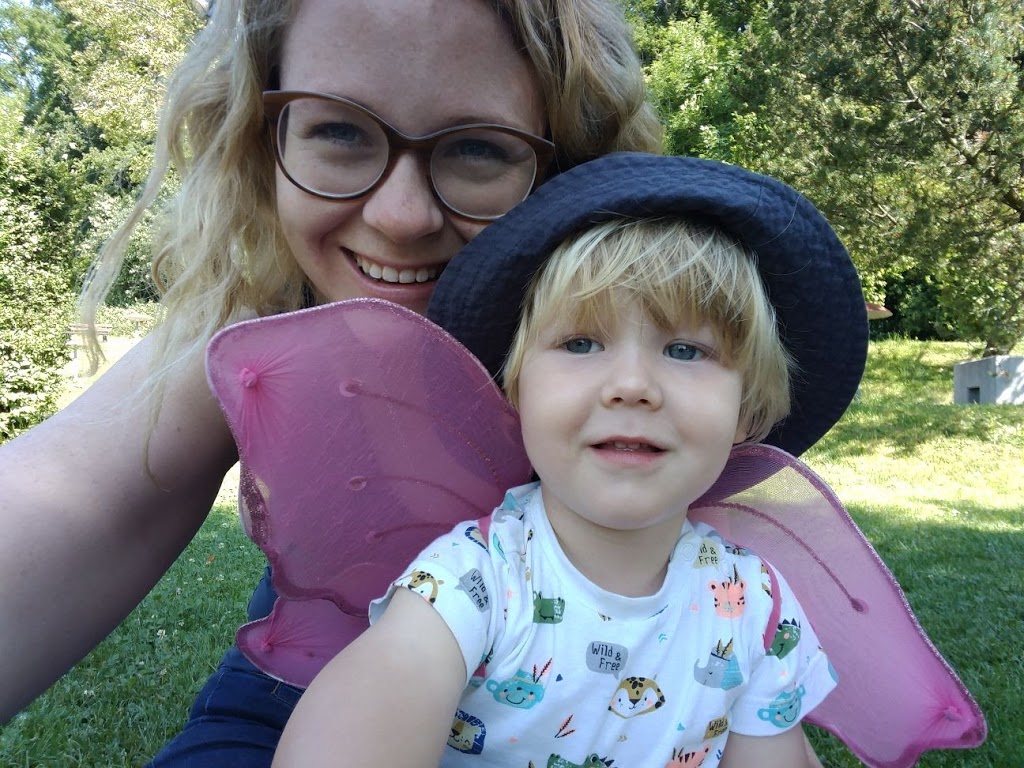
(392, 275)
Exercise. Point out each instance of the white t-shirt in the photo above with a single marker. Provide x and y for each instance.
(563, 673)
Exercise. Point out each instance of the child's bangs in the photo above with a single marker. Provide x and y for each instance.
(680, 274)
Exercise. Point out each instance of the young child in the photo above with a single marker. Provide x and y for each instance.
(587, 622)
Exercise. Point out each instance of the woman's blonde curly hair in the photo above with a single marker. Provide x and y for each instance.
(219, 254)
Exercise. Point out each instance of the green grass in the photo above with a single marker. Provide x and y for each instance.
(938, 488)
(132, 693)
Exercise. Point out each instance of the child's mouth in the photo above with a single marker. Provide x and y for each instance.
(631, 447)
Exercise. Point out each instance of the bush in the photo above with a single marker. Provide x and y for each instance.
(36, 301)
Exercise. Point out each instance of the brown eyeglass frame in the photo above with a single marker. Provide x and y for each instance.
(274, 103)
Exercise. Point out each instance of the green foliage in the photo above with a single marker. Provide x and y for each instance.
(983, 293)
(35, 297)
(903, 121)
(80, 86)
(691, 86)
(135, 282)
(693, 54)
(917, 118)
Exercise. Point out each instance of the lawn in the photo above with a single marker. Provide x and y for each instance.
(939, 491)
(938, 488)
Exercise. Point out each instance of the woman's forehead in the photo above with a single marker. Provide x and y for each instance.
(421, 64)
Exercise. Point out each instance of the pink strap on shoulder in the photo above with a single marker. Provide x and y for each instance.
(484, 524)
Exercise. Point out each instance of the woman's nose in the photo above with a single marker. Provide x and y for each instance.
(630, 381)
(403, 207)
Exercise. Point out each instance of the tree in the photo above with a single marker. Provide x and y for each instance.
(40, 207)
(80, 86)
(35, 303)
(693, 53)
(903, 121)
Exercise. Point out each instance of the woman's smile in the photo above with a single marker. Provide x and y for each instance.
(389, 274)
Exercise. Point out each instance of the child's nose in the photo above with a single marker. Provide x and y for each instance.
(631, 381)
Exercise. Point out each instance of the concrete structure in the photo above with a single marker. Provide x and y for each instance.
(998, 379)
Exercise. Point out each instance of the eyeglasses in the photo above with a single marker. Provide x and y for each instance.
(336, 149)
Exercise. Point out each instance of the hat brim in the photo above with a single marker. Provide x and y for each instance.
(808, 274)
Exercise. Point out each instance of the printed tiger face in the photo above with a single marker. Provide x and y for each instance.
(681, 759)
(636, 696)
(730, 596)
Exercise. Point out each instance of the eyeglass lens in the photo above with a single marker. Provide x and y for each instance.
(338, 150)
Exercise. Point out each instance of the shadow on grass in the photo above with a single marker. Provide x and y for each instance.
(902, 427)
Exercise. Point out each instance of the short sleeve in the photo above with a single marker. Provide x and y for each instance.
(455, 575)
(791, 678)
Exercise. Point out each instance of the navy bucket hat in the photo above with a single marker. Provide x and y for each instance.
(808, 274)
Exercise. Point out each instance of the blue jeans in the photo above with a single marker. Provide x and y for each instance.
(238, 716)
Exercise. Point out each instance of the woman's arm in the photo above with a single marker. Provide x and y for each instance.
(789, 749)
(388, 699)
(86, 532)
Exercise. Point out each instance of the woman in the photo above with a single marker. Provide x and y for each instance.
(100, 499)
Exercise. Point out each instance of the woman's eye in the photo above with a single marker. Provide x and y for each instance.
(581, 346)
(679, 350)
(475, 149)
(478, 149)
(340, 133)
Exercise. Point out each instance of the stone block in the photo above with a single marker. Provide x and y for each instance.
(998, 379)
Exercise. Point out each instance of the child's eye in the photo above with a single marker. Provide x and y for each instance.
(679, 350)
(581, 345)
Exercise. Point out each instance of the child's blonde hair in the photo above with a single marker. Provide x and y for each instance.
(680, 272)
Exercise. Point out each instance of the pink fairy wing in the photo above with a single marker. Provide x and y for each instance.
(896, 695)
(364, 432)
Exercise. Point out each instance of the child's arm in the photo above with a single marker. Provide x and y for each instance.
(388, 699)
(789, 749)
